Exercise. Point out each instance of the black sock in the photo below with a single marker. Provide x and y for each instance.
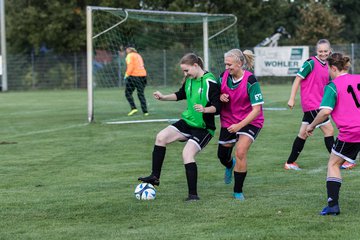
(329, 142)
(191, 177)
(239, 181)
(333, 188)
(224, 155)
(297, 147)
(158, 156)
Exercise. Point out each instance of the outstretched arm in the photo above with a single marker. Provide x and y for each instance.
(170, 97)
(320, 117)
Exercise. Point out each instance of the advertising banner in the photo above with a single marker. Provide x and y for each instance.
(279, 61)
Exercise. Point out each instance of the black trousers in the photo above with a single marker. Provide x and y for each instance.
(139, 84)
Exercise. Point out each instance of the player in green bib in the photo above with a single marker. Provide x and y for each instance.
(196, 125)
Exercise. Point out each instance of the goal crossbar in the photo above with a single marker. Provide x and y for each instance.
(126, 14)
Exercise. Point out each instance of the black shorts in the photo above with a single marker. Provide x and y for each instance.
(201, 137)
(249, 130)
(311, 115)
(345, 150)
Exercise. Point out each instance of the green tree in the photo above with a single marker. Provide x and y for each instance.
(61, 25)
(350, 9)
(318, 20)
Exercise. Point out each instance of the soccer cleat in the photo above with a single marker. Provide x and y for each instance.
(146, 114)
(239, 196)
(132, 112)
(191, 198)
(348, 165)
(334, 210)
(229, 172)
(150, 179)
(292, 166)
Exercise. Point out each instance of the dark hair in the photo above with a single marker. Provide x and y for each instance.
(191, 59)
(340, 61)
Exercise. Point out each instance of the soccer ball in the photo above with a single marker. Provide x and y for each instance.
(145, 191)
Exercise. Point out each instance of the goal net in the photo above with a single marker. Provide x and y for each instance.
(161, 38)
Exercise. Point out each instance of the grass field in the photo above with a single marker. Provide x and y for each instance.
(61, 178)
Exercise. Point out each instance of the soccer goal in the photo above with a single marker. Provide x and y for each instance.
(161, 38)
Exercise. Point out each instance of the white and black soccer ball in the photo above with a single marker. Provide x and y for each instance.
(145, 191)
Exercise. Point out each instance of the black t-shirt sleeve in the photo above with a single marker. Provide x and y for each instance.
(214, 96)
(181, 94)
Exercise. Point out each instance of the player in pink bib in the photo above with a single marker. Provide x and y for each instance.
(341, 100)
(241, 116)
(312, 78)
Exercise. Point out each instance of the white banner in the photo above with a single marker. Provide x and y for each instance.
(279, 61)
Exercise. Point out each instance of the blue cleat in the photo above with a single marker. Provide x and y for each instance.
(229, 172)
(239, 196)
(334, 210)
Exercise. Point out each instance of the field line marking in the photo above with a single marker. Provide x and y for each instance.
(141, 121)
(50, 130)
(318, 170)
(274, 109)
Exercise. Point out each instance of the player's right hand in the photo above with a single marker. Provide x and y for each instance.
(291, 103)
(158, 95)
(224, 97)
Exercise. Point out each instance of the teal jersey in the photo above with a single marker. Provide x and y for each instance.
(306, 68)
(204, 91)
(330, 96)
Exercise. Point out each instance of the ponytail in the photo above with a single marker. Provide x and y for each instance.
(247, 58)
(191, 59)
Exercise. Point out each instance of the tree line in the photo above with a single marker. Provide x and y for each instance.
(32, 25)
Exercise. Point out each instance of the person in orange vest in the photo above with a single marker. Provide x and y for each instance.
(135, 78)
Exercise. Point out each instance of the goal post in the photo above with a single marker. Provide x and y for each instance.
(161, 38)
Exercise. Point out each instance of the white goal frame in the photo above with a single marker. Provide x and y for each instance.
(90, 37)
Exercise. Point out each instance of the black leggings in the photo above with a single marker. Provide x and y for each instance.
(139, 84)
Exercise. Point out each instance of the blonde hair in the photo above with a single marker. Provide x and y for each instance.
(131, 49)
(247, 57)
(323, 41)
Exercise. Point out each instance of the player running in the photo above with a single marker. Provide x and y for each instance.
(342, 101)
(241, 116)
(312, 77)
(197, 124)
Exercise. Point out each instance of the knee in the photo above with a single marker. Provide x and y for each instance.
(241, 154)
(329, 132)
(160, 139)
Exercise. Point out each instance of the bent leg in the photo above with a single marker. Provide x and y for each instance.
(164, 137)
(328, 132)
(224, 154)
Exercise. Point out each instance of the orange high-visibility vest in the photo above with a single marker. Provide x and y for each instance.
(135, 65)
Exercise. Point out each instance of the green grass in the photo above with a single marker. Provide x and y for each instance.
(61, 178)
